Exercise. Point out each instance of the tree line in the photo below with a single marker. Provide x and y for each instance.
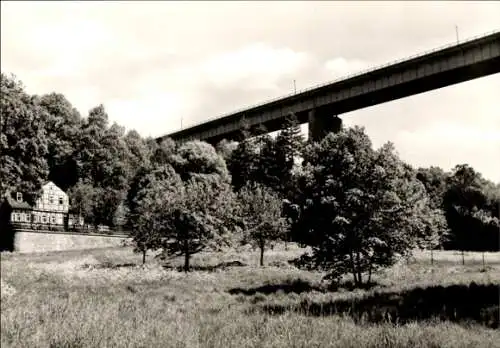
(356, 207)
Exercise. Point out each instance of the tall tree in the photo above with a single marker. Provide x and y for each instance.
(184, 207)
(225, 148)
(62, 124)
(360, 208)
(242, 163)
(153, 189)
(23, 140)
(103, 160)
(434, 179)
(139, 153)
(162, 153)
(468, 212)
(198, 158)
(289, 145)
(198, 216)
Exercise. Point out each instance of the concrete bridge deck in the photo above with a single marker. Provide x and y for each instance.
(452, 64)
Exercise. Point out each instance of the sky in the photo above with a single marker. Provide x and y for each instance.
(159, 65)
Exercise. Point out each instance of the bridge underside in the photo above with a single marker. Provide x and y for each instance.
(323, 119)
(321, 106)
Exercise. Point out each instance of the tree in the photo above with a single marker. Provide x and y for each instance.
(360, 208)
(434, 230)
(289, 146)
(434, 180)
(260, 211)
(198, 217)
(185, 207)
(267, 169)
(120, 217)
(225, 148)
(137, 183)
(91, 156)
(82, 198)
(153, 191)
(436, 233)
(162, 153)
(182, 218)
(139, 153)
(198, 158)
(23, 140)
(103, 159)
(468, 212)
(242, 163)
(62, 125)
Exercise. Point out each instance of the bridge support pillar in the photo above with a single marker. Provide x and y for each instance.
(320, 125)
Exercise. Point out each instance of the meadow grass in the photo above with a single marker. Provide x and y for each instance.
(106, 298)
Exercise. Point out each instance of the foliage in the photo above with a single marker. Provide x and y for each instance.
(242, 163)
(197, 219)
(360, 208)
(62, 124)
(260, 211)
(184, 207)
(342, 190)
(289, 146)
(162, 153)
(225, 148)
(83, 197)
(103, 159)
(197, 158)
(470, 211)
(434, 180)
(154, 191)
(23, 140)
(189, 217)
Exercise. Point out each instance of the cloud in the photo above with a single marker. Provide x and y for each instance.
(258, 65)
(340, 67)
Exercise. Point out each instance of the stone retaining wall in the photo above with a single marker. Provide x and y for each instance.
(29, 242)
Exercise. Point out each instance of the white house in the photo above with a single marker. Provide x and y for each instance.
(51, 208)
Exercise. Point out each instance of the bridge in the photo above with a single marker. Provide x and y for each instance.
(320, 105)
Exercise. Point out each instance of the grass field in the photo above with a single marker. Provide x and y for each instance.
(105, 298)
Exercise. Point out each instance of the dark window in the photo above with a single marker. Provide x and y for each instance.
(61, 201)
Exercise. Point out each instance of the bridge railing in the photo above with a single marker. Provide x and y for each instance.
(345, 77)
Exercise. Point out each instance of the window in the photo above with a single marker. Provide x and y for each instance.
(27, 217)
(52, 219)
(61, 201)
(19, 197)
(14, 216)
(51, 199)
(44, 219)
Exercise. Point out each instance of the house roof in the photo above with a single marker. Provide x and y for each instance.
(17, 205)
